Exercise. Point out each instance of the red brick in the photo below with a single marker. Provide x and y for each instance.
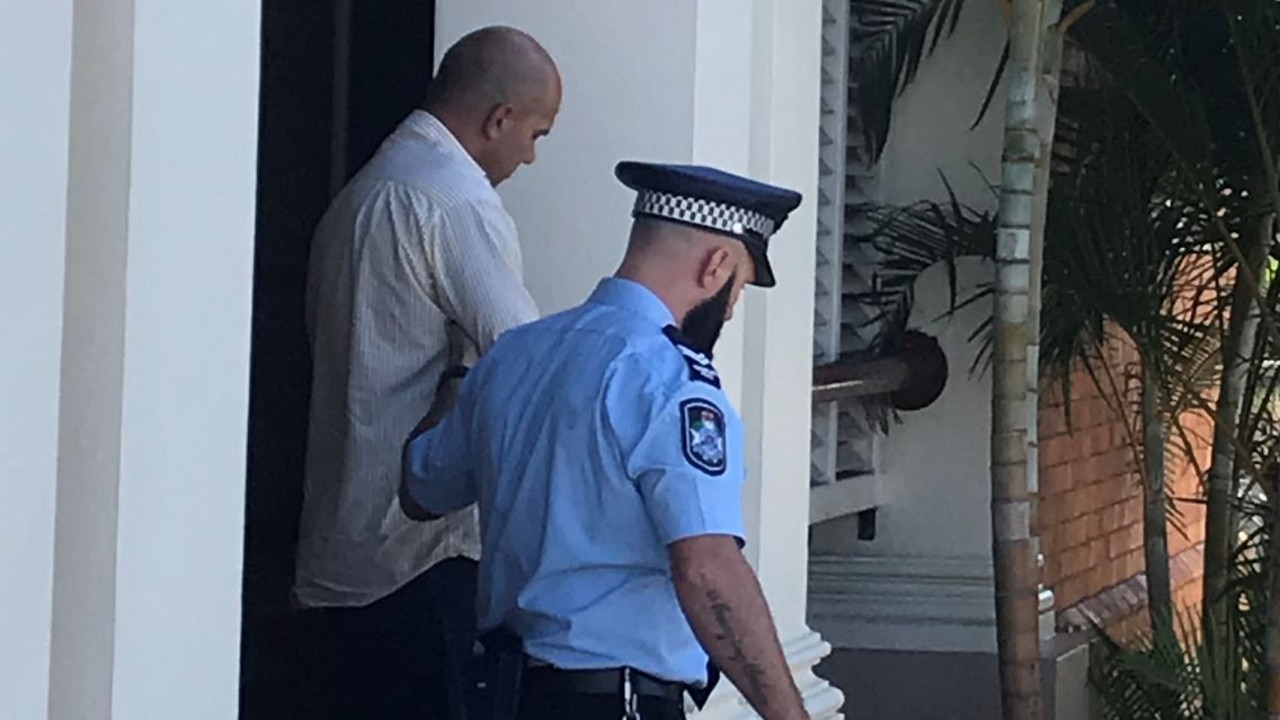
(1048, 511)
(1073, 590)
(1118, 573)
(1096, 412)
(1056, 450)
(1079, 502)
(1098, 579)
(1118, 489)
(1131, 510)
(1124, 540)
(1098, 551)
(1085, 472)
(1050, 393)
(1110, 519)
(1134, 563)
(1076, 532)
(1052, 568)
(1119, 438)
(1055, 480)
(1075, 561)
(1096, 440)
(1094, 527)
(1052, 421)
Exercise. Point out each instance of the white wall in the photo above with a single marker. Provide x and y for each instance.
(940, 504)
(155, 363)
(931, 119)
(939, 456)
(924, 582)
(33, 151)
(628, 94)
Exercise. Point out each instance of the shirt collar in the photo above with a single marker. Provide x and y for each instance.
(631, 295)
(426, 125)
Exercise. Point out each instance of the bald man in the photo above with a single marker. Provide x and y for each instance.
(414, 266)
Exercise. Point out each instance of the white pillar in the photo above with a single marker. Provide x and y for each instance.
(160, 228)
(721, 82)
(35, 71)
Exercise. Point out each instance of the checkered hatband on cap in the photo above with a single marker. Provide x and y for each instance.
(703, 213)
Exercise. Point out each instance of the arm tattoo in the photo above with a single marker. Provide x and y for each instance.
(754, 671)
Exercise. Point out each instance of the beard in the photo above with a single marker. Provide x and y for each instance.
(702, 325)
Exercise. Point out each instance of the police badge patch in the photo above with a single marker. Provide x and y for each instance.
(703, 430)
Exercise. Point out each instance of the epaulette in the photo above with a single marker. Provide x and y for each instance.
(700, 368)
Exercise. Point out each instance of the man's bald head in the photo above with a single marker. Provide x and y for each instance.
(491, 66)
(498, 91)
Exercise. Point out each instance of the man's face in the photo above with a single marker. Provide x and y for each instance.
(513, 139)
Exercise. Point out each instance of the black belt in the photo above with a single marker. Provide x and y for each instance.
(551, 680)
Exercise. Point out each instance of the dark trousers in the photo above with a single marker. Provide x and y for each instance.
(405, 656)
(567, 706)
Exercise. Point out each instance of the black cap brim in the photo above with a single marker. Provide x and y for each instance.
(764, 269)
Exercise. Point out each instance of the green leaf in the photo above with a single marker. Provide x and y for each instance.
(890, 40)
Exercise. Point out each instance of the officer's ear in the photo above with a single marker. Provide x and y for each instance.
(717, 267)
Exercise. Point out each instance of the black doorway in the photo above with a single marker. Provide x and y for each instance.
(337, 76)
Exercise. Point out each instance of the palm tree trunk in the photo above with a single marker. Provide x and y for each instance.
(1155, 525)
(1050, 62)
(1015, 548)
(1221, 525)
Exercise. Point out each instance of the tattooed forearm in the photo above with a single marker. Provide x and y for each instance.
(755, 672)
(728, 613)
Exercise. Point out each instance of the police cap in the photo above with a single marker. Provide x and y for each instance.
(714, 200)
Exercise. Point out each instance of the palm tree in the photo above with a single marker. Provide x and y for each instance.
(894, 36)
(1205, 75)
(1125, 255)
(1015, 547)
(1207, 78)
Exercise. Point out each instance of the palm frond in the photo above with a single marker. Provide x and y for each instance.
(1176, 679)
(890, 39)
(911, 239)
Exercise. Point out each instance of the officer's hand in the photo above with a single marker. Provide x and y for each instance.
(446, 396)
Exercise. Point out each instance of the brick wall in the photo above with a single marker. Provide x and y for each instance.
(1090, 511)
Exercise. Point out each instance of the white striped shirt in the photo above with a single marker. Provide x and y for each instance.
(417, 239)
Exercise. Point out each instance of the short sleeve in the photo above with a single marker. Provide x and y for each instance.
(687, 464)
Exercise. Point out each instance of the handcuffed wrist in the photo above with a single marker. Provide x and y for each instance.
(455, 372)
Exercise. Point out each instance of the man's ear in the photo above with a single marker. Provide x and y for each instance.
(497, 121)
(716, 268)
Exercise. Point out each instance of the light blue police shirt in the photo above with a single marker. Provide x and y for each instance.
(591, 440)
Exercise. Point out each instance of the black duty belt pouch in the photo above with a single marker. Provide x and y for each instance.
(700, 695)
(496, 677)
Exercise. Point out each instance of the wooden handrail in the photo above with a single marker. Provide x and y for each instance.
(913, 377)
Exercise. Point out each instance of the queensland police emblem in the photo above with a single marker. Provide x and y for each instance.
(704, 436)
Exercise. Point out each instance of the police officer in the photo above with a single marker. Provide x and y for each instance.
(608, 468)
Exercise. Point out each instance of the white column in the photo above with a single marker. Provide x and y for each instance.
(35, 71)
(160, 225)
(778, 356)
(678, 81)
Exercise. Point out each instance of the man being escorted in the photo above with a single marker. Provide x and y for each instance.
(607, 465)
(415, 249)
